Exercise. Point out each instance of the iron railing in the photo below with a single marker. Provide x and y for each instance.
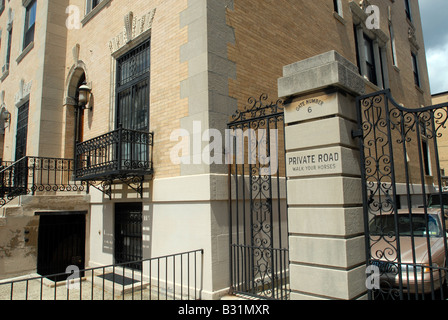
(261, 272)
(170, 277)
(31, 175)
(117, 153)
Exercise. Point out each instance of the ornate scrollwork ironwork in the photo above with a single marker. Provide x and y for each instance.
(121, 155)
(391, 133)
(257, 251)
(259, 109)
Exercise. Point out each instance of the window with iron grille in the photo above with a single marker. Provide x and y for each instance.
(132, 92)
(22, 130)
(133, 70)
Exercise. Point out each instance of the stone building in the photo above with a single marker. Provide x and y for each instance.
(157, 68)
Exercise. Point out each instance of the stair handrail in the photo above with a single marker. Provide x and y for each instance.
(13, 164)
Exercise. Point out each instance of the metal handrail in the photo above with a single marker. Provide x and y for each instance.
(169, 277)
(31, 174)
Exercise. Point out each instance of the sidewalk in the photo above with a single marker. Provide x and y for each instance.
(34, 287)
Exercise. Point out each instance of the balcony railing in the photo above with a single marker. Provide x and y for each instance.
(31, 175)
(122, 152)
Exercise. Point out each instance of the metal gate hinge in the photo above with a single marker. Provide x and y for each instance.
(357, 133)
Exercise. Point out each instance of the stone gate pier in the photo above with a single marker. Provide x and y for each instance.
(326, 228)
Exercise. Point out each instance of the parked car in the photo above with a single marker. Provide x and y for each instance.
(421, 238)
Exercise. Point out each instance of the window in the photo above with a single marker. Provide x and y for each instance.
(91, 4)
(133, 88)
(371, 57)
(407, 6)
(30, 19)
(22, 131)
(415, 69)
(8, 49)
(2, 6)
(132, 92)
(392, 45)
(337, 7)
(370, 60)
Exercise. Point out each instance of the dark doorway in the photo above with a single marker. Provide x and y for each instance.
(128, 234)
(61, 243)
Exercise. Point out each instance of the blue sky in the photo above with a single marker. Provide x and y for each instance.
(435, 30)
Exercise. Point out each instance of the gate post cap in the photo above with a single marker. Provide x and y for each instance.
(329, 69)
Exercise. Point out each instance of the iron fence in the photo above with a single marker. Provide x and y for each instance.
(261, 272)
(171, 277)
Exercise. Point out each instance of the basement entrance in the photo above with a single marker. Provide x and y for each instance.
(61, 243)
(128, 235)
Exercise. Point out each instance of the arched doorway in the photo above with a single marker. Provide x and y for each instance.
(74, 114)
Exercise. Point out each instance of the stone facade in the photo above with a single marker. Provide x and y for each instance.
(207, 58)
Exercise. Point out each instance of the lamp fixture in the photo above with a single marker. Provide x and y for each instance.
(5, 117)
(84, 96)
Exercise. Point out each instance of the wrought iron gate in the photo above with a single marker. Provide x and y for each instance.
(404, 189)
(257, 201)
(128, 234)
(61, 243)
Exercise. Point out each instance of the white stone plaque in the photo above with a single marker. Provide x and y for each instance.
(321, 162)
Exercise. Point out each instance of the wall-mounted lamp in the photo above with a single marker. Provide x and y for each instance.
(84, 96)
(5, 116)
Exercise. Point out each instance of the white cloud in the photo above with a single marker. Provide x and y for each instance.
(437, 59)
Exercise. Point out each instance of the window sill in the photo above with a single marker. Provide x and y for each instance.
(4, 75)
(94, 11)
(25, 52)
(338, 17)
(419, 89)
